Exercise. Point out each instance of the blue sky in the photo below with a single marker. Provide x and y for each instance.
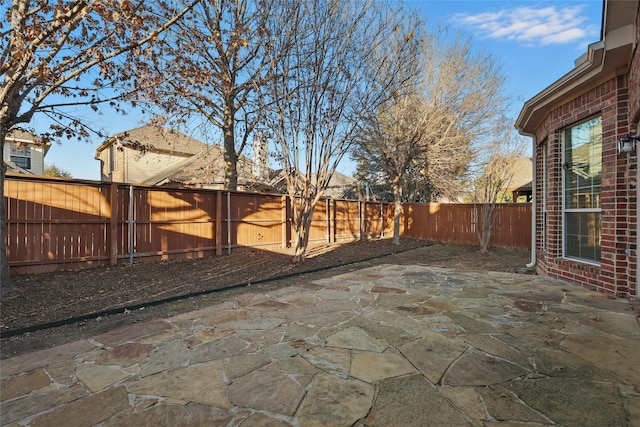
(535, 41)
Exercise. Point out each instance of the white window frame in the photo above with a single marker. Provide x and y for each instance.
(566, 210)
(24, 152)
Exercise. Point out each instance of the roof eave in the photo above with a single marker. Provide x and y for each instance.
(588, 67)
(107, 142)
(608, 57)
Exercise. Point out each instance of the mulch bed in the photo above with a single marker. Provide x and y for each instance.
(90, 302)
(52, 297)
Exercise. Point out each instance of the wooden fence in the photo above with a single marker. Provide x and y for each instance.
(71, 224)
(460, 223)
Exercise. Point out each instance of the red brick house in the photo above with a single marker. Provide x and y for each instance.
(585, 202)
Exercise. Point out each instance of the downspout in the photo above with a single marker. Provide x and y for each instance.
(533, 201)
(533, 212)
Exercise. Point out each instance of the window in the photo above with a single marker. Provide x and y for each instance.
(113, 158)
(582, 180)
(21, 156)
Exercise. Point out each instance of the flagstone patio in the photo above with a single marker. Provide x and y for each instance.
(386, 345)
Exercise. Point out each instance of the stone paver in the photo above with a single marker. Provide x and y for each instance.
(475, 369)
(334, 401)
(386, 345)
(413, 401)
(23, 384)
(375, 367)
(203, 383)
(268, 391)
(434, 354)
(89, 410)
(99, 377)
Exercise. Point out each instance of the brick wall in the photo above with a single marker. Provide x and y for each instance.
(616, 273)
(632, 169)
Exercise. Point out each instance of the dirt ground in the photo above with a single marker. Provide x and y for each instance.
(89, 302)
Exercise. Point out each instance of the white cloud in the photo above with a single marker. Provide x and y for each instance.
(530, 25)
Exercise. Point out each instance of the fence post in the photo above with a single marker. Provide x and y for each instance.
(327, 214)
(334, 222)
(365, 228)
(113, 224)
(382, 219)
(218, 220)
(285, 223)
(359, 220)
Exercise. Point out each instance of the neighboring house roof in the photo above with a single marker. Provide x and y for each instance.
(19, 136)
(203, 169)
(522, 179)
(12, 167)
(602, 60)
(204, 165)
(154, 138)
(340, 186)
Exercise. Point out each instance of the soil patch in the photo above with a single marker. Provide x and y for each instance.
(100, 299)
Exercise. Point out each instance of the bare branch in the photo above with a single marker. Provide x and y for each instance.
(215, 61)
(319, 91)
(48, 46)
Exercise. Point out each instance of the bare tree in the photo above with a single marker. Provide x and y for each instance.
(58, 55)
(320, 91)
(494, 167)
(420, 139)
(401, 142)
(209, 67)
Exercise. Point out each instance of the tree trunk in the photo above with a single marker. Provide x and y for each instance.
(301, 242)
(302, 228)
(6, 284)
(397, 212)
(487, 227)
(230, 156)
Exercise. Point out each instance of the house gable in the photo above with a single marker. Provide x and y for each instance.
(24, 153)
(603, 85)
(136, 155)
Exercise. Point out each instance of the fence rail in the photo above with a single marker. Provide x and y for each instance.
(71, 224)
